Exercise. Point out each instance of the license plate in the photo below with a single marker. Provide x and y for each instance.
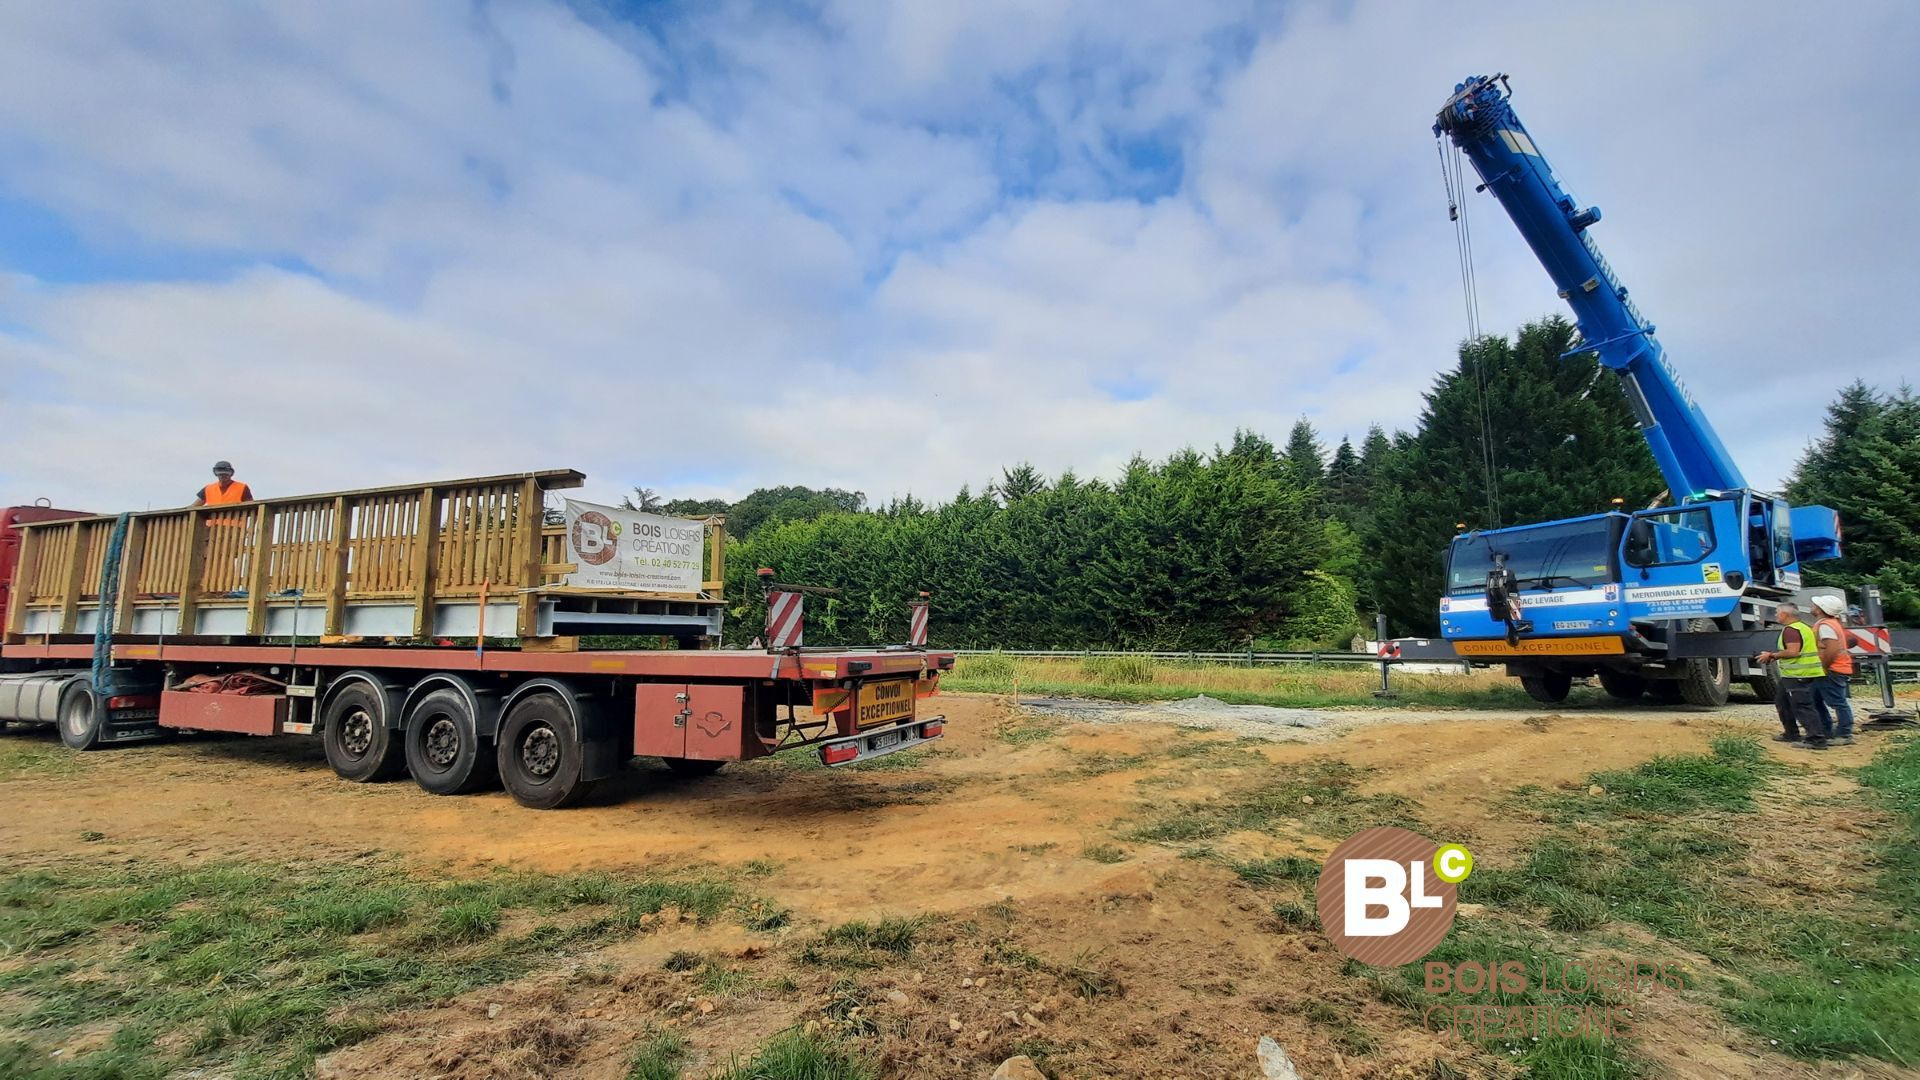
(886, 702)
(1567, 646)
(881, 742)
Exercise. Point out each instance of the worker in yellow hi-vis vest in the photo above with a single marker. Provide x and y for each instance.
(1797, 671)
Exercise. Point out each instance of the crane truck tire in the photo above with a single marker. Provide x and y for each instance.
(81, 717)
(1622, 685)
(445, 752)
(1550, 688)
(1763, 687)
(360, 746)
(540, 753)
(690, 767)
(1704, 682)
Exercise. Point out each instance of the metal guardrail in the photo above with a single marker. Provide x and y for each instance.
(1251, 659)
(1247, 659)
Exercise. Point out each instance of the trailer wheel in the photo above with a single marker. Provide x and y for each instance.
(359, 745)
(680, 766)
(540, 753)
(81, 717)
(1704, 682)
(1550, 688)
(445, 753)
(1622, 685)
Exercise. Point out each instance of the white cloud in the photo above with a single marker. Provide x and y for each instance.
(897, 247)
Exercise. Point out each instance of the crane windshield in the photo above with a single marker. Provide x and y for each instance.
(1563, 555)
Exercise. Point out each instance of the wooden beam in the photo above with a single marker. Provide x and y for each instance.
(23, 582)
(716, 582)
(71, 572)
(197, 540)
(337, 557)
(531, 548)
(262, 555)
(426, 537)
(550, 644)
(130, 556)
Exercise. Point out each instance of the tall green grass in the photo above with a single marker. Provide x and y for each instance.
(1138, 679)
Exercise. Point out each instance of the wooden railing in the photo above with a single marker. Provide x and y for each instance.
(480, 536)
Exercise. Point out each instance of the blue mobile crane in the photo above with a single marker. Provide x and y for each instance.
(1612, 594)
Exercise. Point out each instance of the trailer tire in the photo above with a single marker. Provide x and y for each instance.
(81, 717)
(359, 745)
(540, 753)
(680, 766)
(445, 753)
(1622, 685)
(1550, 688)
(1704, 682)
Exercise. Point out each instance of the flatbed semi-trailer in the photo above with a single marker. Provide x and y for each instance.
(538, 714)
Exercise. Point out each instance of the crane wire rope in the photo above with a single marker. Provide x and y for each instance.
(1453, 177)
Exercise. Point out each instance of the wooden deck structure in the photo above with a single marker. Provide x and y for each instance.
(463, 558)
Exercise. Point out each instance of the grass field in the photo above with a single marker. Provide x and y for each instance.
(1152, 902)
(1127, 678)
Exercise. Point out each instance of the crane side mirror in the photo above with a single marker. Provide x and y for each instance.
(1639, 548)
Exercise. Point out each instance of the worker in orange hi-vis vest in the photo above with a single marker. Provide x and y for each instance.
(224, 490)
(227, 547)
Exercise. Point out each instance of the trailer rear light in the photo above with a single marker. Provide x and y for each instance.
(928, 731)
(836, 755)
(133, 701)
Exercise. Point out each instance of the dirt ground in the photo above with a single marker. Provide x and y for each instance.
(1016, 852)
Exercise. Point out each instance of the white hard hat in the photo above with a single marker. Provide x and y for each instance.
(1832, 605)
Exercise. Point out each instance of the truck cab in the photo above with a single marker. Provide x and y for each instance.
(1604, 594)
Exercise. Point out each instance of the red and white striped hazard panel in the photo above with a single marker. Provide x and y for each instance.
(917, 625)
(786, 619)
(1871, 640)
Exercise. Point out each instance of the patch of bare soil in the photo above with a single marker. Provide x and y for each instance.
(1154, 965)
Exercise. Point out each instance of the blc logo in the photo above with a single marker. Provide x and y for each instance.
(1387, 896)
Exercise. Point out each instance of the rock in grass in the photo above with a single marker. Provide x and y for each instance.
(1274, 1062)
(1018, 1067)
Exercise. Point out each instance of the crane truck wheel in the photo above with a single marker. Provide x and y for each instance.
(445, 753)
(1704, 682)
(81, 717)
(1763, 687)
(354, 732)
(1550, 687)
(680, 766)
(1622, 685)
(540, 753)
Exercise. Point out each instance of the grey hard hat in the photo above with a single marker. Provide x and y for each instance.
(223, 466)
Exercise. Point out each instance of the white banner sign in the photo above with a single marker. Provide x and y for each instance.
(611, 548)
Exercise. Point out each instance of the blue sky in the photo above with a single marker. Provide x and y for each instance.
(703, 248)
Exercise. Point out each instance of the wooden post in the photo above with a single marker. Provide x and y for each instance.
(425, 538)
(72, 572)
(23, 582)
(257, 572)
(130, 556)
(533, 517)
(196, 561)
(337, 552)
(717, 560)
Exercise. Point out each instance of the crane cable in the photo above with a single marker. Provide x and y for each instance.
(1453, 177)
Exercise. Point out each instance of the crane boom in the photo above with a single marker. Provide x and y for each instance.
(1479, 118)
